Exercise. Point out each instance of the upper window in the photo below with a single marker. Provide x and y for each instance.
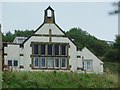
(63, 50)
(35, 49)
(43, 49)
(56, 49)
(49, 49)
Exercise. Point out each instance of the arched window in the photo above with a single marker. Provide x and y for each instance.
(49, 13)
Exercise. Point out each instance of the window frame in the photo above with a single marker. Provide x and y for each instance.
(65, 63)
(8, 62)
(14, 63)
(85, 66)
(48, 56)
(55, 62)
(34, 62)
(41, 62)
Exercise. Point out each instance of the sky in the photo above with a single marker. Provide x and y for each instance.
(92, 17)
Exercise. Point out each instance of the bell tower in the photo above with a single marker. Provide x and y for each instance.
(49, 15)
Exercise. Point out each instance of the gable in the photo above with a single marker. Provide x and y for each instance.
(89, 55)
(46, 27)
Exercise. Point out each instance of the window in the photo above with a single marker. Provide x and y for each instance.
(15, 63)
(48, 55)
(42, 62)
(43, 49)
(63, 50)
(50, 62)
(64, 63)
(49, 13)
(9, 62)
(56, 49)
(36, 62)
(12, 62)
(49, 49)
(87, 65)
(57, 62)
(35, 49)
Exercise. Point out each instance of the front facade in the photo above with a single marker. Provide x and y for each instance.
(49, 49)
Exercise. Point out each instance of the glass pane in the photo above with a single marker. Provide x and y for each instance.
(49, 49)
(57, 62)
(9, 62)
(35, 49)
(49, 13)
(43, 62)
(50, 62)
(36, 62)
(42, 49)
(88, 65)
(56, 49)
(64, 63)
(15, 63)
(63, 48)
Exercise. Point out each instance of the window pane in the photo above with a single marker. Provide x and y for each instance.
(56, 49)
(50, 62)
(35, 49)
(43, 62)
(57, 62)
(36, 61)
(15, 63)
(64, 63)
(87, 65)
(63, 48)
(9, 62)
(49, 49)
(42, 49)
(49, 13)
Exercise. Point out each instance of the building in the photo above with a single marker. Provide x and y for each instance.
(49, 49)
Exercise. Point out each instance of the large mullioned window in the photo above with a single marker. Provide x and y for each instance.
(50, 56)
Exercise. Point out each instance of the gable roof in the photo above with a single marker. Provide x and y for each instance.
(59, 29)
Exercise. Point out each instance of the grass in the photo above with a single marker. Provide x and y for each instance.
(63, 79)
(57, 80)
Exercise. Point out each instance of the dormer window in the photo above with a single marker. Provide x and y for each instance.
(49, 13)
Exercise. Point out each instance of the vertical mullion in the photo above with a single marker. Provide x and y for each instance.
(67, 56)
(32, 56)
(53, 54)
(60, 50)
(46, 54)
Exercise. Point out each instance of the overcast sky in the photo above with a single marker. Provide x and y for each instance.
(92, 17)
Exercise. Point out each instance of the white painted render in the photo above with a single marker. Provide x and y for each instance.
(46, 27)
(97, 63)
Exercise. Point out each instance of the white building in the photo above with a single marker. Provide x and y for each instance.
(49, 49)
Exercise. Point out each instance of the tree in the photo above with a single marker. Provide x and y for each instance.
(116, 11)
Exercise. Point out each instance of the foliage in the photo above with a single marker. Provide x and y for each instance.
(84, 39)
(113, 54)
(9, 37)
(56, 80)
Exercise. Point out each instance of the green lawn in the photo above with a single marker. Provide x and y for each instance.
(58, 80)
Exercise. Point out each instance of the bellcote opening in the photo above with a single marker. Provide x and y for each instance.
(49, 15)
